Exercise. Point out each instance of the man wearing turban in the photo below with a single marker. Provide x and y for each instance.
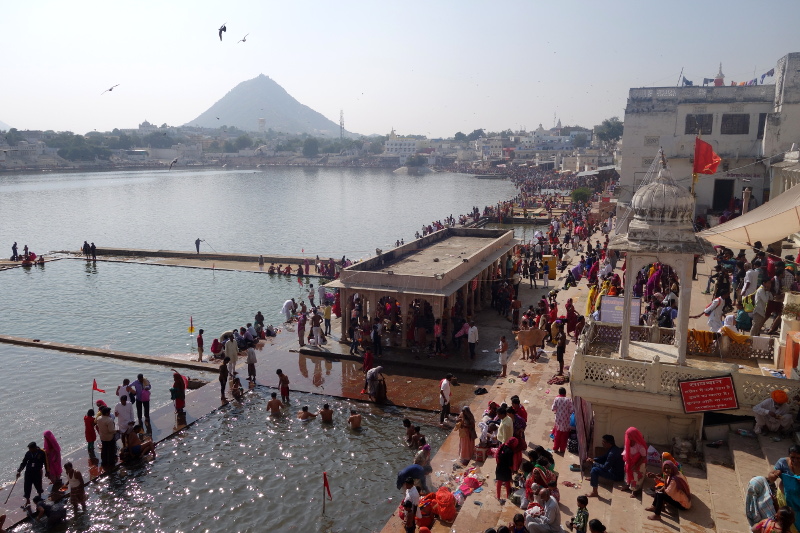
(774, 413)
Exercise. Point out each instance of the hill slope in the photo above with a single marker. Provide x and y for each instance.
(262, 97)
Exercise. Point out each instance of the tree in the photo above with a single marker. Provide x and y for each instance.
(243, 141)
(459, 136)
(581, 194)
(580, 140)
(228, 147)
(610, 130)
(476, 134)
(310, 147)
(13, 137)
(506, 133)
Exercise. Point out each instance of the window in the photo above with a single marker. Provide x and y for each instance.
(699, 124)
(762, 122)
(647, 161)
(735, 124)
(651, 141)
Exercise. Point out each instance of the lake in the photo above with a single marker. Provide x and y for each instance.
(278, 210)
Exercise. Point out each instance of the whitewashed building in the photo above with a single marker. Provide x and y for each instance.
(745, 125)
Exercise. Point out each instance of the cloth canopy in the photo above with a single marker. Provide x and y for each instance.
(769, 223)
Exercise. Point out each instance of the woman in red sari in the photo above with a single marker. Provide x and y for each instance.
(572, 316)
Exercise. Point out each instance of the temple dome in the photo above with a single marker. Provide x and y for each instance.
(663, 202)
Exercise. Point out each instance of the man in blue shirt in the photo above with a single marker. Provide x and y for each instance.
(417, 473)
(610, 465)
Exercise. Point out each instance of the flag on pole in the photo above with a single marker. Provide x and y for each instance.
(94, 387)
(705, 160)
(191, 325)
(326, 485)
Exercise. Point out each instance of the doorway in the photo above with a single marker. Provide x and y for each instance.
(723, 193)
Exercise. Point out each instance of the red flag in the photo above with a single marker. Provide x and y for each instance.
(94, 386)
(325, 483)
(705, 160)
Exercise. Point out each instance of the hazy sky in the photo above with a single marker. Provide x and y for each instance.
(422, 67)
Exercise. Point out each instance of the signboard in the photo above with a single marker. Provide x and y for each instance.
(710, 394)
(611, 309)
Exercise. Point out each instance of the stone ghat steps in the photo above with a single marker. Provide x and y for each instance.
(727, 492)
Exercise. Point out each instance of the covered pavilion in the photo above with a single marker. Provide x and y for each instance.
(450, 267)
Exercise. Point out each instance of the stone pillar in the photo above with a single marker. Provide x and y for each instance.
(630, 277)
(403, 298)
(684, 271)
(373, 304)
(343, 300)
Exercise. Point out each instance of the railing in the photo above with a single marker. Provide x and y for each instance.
(591, 368)
(710, 94)
(663, 379)
(604, 338)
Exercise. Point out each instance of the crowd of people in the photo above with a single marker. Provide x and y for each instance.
(747, 290)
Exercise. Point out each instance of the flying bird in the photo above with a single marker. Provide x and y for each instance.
(243, 39)
(222, 29)
(173, 162)
(109, 89)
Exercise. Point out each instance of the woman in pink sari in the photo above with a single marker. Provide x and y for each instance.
(635, 456)
(53, 452)
(467, 435)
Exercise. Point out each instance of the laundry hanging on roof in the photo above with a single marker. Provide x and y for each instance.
(706, 81)
(742, 83)
(687, 83)
(767, 74)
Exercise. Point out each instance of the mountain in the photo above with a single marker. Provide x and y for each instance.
(4, 126)
(262, 97)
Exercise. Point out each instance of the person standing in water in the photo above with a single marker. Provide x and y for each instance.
(283, 385)
(274, 405)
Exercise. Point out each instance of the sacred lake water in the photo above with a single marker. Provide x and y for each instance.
(280, 210)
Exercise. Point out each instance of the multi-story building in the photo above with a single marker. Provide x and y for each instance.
(746, 126)
(403, 147)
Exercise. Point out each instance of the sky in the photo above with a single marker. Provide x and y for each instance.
(421, 67)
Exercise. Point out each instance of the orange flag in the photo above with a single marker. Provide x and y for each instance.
(326, 485)
(94, 386)
(705, 160)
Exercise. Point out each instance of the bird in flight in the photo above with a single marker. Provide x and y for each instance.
(109, 89)
(222, 29)
(243, 39)
(173, 162)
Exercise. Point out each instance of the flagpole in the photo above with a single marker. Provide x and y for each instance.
(680, 77)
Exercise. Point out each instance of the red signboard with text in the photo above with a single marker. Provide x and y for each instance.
(710, 394)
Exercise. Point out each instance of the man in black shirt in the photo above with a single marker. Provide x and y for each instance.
(33, 462)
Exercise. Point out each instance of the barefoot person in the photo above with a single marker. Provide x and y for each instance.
(502, 352)
(326, 414)
(610, 465)
(274, 405)
(304, 414)
(138, 448)
(355, 419)
(32, 463)
(674, 490)
(283, 385)
(77, 492)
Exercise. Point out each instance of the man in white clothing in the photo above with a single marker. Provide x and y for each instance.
(124, 413)
(288, 307)
(714, 314)
(472, 339)
(549, 521)
(751, 279)
(774, 413)
(762, 298)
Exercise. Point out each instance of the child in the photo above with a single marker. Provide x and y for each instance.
(251, 364)
(236, 390)
(415, 438)
(743, 319)
(90, 430)
(581, 519)
(409, 523)
(518, 524)
(409, 430)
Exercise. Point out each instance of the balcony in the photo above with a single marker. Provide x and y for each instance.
(651, 367)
